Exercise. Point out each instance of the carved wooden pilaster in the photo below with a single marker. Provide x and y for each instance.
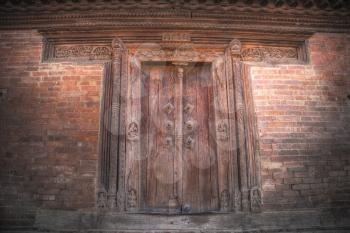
(229, 72)
(251, 132)
(103, 179)
(133, 143)
(110, 137)
(248, 197)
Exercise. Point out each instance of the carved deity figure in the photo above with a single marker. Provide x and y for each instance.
(133, 131)
(224, 199)
(132, 198)
(222, 131)
(255, 199)
(180, 72)
(102, 200)
(117, 44)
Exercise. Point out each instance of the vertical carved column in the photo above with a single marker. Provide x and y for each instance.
(178, 134)
(253, 158)
(110, 128)
(122, 130)
(229, 73)
(235, 52)
(133, 142)
(247, 160)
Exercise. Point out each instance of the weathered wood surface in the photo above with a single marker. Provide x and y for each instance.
(133, 119)
(179, 163)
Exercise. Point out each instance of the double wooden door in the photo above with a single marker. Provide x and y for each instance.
(178, 139)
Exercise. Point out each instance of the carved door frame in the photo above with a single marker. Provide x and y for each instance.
(120, 126)
(121, 61)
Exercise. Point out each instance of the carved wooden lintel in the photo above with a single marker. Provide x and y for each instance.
(173, 52)
(270, 54)
(90, 52)
(79, 46)
(178, 53)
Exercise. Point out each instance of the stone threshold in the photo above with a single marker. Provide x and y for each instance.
(316, 220)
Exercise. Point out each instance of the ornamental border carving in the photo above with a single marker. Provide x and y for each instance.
(56, 50)
(268, 15)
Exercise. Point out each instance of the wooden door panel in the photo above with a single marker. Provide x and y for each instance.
(158, 136)
(190, 174)
(199, 153)
(207, 161)
(178, 139)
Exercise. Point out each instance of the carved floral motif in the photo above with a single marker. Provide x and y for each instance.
(190, 125)
(87, 51)
(168, 108)
(179, 54)
(188, 108)
(268, 54)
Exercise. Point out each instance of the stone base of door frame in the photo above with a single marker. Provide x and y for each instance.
(316, 220)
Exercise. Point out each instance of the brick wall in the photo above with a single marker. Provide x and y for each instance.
(49, 129)
(303, 114)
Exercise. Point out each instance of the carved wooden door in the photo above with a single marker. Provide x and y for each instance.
(178, 139)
